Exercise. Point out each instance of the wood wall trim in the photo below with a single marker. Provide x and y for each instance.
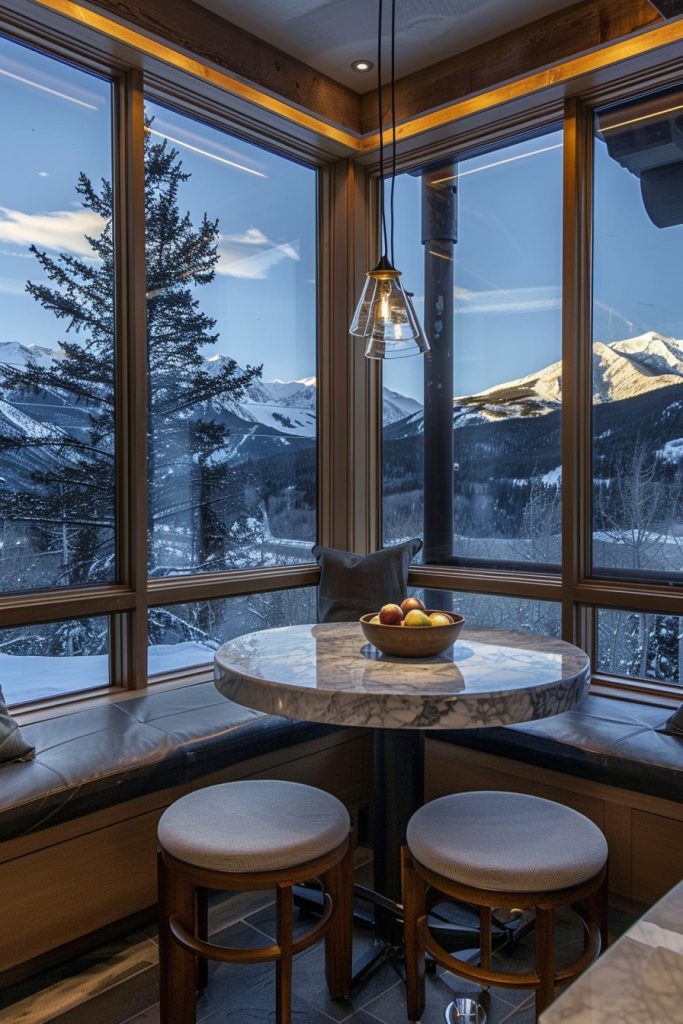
(170, 53)
(206, 35)
(550, 40)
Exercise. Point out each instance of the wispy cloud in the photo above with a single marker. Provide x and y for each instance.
(11, 286)
(508, 300)
(251, 254)
(60, 230)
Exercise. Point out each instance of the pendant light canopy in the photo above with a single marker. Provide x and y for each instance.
(385, 315)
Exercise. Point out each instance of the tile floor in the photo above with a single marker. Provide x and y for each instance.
(117, 983)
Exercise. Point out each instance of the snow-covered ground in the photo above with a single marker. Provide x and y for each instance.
(32, 677)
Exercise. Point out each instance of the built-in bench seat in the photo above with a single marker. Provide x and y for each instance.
(609, 741)
(105, 755)
(78, 823)
(610, 759)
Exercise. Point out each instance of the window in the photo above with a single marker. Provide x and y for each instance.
(641, 646)
(494, 611)
(638, 340)
(231, 321)
(471, 447)
(183, 636)
(54, 659)
(57, 447)
(230, 283)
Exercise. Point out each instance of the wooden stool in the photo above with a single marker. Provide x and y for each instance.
(502, 850)
(248, 836)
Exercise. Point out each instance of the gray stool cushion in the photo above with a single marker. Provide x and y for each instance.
(254, 825)
(506, 842)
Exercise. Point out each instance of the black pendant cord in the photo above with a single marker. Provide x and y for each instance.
(382, 215)
(393, 124)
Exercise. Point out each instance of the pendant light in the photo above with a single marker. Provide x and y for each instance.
(385, 316)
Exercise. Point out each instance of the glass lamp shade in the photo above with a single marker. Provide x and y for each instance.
(384, 311)
(378, 347)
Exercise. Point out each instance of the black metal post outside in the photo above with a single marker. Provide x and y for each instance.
(439, 235)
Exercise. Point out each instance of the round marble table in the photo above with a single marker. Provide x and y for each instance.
(330, 673)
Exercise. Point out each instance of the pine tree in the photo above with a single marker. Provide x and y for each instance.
(63, 491)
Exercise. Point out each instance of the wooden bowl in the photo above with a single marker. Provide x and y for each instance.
(411, 641)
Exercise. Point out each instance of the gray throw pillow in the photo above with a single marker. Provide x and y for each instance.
(13, 746)
(352, 585)
(674, 724)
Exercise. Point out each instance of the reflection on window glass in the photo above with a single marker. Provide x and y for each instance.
(494, 611)
(640, 645)
(53, 659)
(638, 338)
(186, 635)
(487, 279)
(57, 500)
(231, 321)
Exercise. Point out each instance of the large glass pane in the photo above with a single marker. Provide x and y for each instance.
(480, 242)
(53, 659)
(637, 339)
(494, 611)
(641, 645)
(187, 635)
(57, 491)
(231, 320)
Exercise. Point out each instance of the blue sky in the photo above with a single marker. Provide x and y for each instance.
(57, 122)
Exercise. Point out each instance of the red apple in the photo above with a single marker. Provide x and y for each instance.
(416, 618)
(440, 619)
(390, 615)
(410, 604)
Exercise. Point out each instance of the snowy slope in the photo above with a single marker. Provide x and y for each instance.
(14, 353)
(624, 369)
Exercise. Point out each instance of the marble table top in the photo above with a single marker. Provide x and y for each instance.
(330, 673)
(639, 978)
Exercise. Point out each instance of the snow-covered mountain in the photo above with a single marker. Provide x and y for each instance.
(623, 369)
(14, 353)
(281, 412)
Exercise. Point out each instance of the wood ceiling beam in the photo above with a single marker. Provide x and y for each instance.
(550, 40)
(206, 36)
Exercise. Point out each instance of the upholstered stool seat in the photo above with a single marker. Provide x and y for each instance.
(507, 841)
(253, 826)
(502, 850)
(251, 835)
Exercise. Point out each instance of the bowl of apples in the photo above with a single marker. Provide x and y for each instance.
(409, 630)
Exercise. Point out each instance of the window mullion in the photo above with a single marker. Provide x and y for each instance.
(576, 357)
(129, 631)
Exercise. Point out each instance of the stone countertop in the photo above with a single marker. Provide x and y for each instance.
(639, 978)
(330, 673)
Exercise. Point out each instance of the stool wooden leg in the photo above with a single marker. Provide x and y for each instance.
(283, 966)
(413, 908)
(177, 967)
(545, 957)
(485, 937)
(202, 933)
(339, 938)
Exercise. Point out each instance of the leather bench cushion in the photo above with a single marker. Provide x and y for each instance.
(200, 719)
(101, 756)
(607, 740)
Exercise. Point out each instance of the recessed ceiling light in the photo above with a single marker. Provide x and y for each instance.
(362, 65)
